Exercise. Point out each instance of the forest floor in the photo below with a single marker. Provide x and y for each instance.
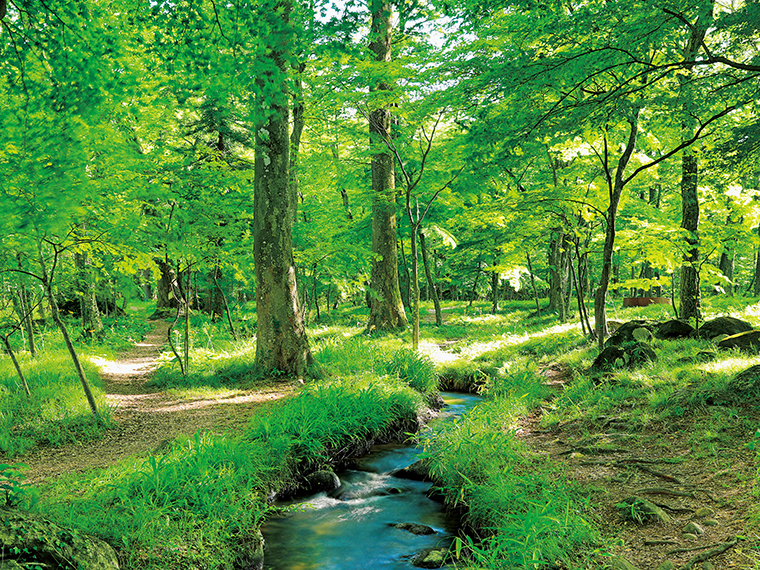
(709, 483)
(706, 482)
(147, 418)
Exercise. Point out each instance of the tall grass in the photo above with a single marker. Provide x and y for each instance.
(520, 510)
(197, 505)
(57, 412)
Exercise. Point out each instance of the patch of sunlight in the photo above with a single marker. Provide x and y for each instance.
(728, 365)
(753, 310)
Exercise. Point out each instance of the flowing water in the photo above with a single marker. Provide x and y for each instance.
(351, 528)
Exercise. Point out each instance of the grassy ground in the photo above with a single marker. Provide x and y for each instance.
(522, 509)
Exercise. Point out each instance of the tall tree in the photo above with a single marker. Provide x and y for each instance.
(281, 341)
(386, 307)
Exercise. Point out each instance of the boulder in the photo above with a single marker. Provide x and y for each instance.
(748, 341)
(746, 381)
(628, 355)
(415, 528)
(722, 326)
(417, 471)
(431, 558)
(632, 331)
(322, 481)
(620, 563)
(33, 541)
(673, 329)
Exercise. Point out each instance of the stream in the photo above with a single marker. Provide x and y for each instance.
(351, 527)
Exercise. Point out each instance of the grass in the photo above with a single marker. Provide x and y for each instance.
(191, 505)
(200, 503)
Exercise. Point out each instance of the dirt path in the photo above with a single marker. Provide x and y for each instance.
(712, 488)
(147, 417)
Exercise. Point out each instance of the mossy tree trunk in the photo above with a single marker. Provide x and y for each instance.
(386, 307)
(281, 341)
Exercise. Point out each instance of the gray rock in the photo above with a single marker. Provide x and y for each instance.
(430, 558)
(51, 545)
(641, 510)
(415, 528)
(748, 341)
(693, 528)
(722, 326)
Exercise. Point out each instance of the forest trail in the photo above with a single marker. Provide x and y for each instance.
(145, 417)
(711, 487)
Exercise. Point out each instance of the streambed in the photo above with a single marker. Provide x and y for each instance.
(351, 527)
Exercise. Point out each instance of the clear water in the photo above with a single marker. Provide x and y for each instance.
(351, 528)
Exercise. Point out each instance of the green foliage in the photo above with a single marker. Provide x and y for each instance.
(416, 369)
(524, 510)
(326, 419)
(13, 490)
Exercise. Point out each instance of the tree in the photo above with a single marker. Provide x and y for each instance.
(281, 341)
(386, 308)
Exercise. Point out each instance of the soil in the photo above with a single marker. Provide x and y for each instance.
(710, 485)
(659, 463)
(147, 418)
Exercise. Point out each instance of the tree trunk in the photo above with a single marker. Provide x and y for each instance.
(495, 288)
(430, 282)
(727, 268)
(756, 290)
(16, 365)
(281, 341)
(386, 307)
(48, 286)
(689, 175)
(533, 284)
(615, 191)
(92, 325)
(558, 272)
(166, 280)
(690, 222)
(474, 292)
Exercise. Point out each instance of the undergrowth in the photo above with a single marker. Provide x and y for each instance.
(198, 504)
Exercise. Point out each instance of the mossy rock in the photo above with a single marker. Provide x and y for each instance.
(632, 331)
(37, 540)
(748, 341)
(722, 327)
(745, 382)
(628, 355)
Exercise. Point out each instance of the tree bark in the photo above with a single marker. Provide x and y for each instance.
(281, 341)
(166, 280)
(558, 273)
(756, 290)
(48, 286)
(92, 325)
(495, 288)
(689, 178)
(386, 307)
(430, 282)
(615, 191)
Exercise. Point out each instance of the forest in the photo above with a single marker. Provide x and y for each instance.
(245, 242)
